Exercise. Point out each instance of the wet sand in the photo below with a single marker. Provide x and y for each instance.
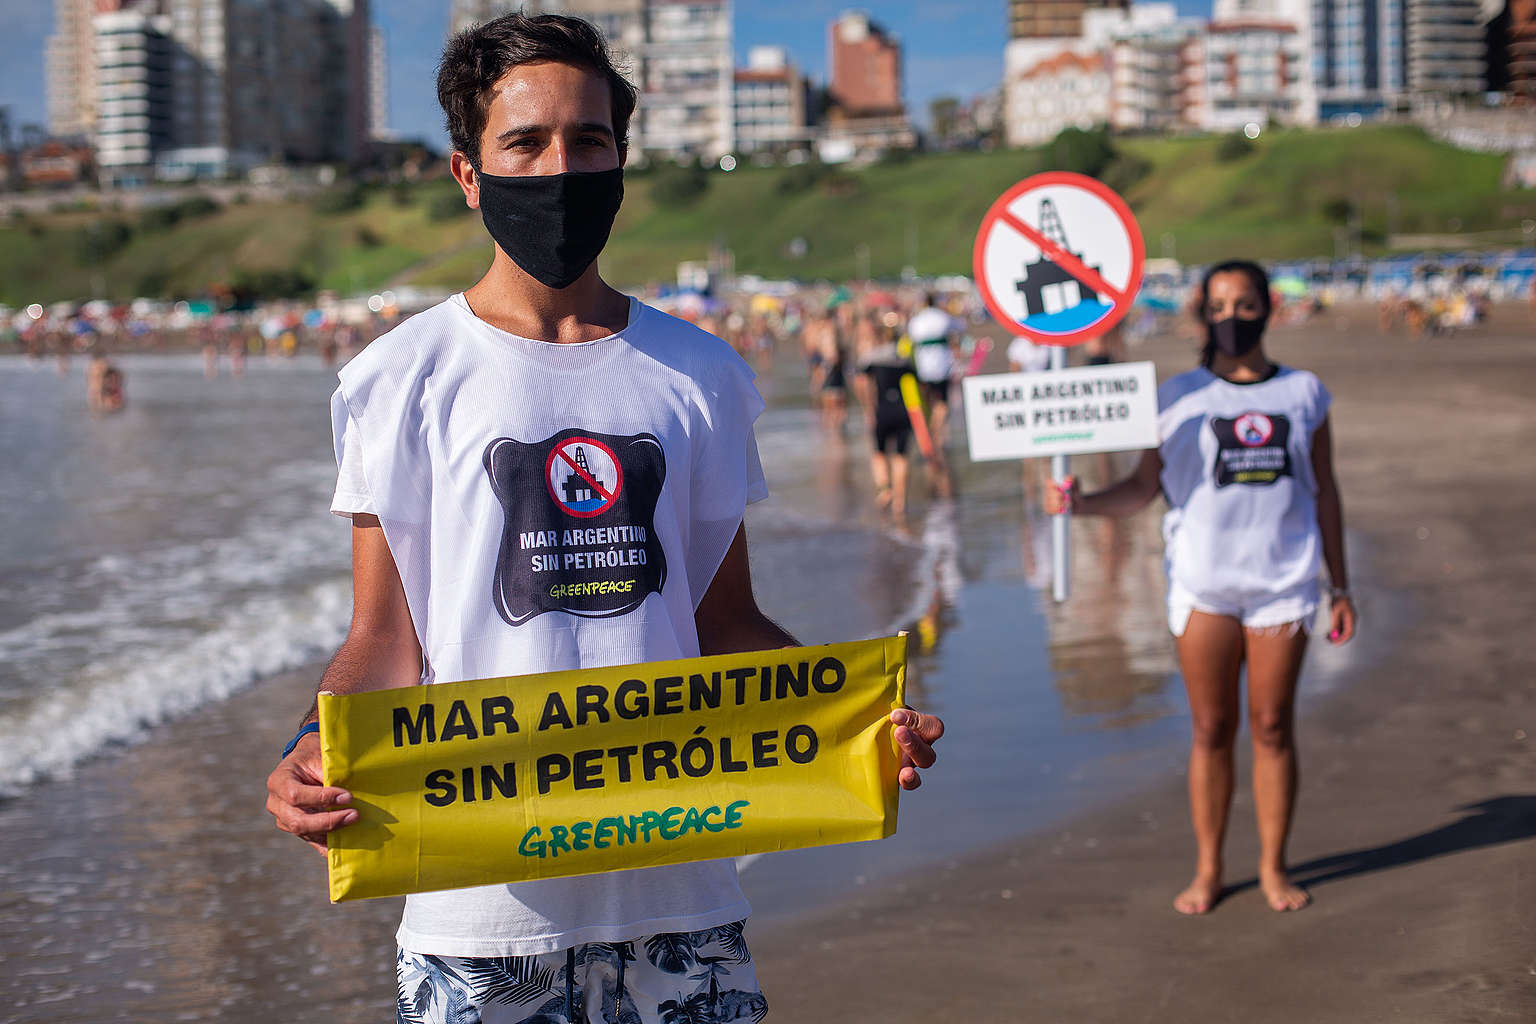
(1418, 803)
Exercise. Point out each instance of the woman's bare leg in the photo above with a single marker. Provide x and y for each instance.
(1211, 657)
(1274, 663)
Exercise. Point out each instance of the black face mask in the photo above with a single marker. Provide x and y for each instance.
(1234, 336)
(552, 225)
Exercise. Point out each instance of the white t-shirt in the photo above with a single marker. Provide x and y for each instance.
(552, 507)
(1237, 473)
(929, 330)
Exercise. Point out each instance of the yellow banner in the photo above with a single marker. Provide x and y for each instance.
(605, 769)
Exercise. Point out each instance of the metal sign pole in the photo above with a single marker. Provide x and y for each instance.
(1061, 555)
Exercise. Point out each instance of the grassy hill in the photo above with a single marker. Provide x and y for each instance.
(1285, 196)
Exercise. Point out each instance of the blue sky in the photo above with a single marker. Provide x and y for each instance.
(951, 47)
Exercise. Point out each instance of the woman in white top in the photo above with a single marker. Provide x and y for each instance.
(1246, 465)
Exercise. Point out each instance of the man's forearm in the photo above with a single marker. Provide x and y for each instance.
(370, 663)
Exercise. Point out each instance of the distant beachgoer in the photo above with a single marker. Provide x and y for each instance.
(1105, 349)
(95, 372)
(210, 354)
(1246, 465)
(881, 368)
(829, 380)
(1024, 356)
(933, 333)
(112, 397)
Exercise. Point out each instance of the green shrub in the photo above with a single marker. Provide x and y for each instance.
(799, 178)
(1336, 210)
(101, 240)
(1085, 152)
(163, 218)
(1234, 146)
(1124, 171)
(446, 206)
(288, 283)
(341, 200)
(679, 185)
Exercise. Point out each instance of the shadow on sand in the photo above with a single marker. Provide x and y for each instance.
(1502, 819)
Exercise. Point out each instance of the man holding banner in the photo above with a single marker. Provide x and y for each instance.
(544, 474)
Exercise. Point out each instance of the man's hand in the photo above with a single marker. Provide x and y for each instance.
(915, 735)
(301, 804)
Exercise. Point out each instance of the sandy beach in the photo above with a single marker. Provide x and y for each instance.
(149, 884)
(1418, 802)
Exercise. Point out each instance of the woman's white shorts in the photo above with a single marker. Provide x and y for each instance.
(1287, 611)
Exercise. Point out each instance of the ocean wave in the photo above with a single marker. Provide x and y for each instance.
(118, 699)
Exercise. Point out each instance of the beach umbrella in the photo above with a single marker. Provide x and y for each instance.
(1157, 303)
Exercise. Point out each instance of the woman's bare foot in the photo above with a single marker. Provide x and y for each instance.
(1280, 893)
(1200, 897)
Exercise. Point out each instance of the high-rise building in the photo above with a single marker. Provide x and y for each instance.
(1359, 55)
(770, 102)
(1253, 71)
(1054, 19)
(132, 77)
(378, 85)
(866, 67)
(70, 58)
(1520, 48)
(1447, 51)
(677, 53)
(467, 13)
(1157, 77)
(243, 82)
(686, 74)
(1069, 90)
(866, 112)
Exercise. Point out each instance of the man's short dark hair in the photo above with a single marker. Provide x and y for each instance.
(477, 58)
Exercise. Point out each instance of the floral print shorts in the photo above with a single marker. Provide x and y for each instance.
(673, 978)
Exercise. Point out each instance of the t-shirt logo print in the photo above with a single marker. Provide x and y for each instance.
(579, 533)
(1251, 449)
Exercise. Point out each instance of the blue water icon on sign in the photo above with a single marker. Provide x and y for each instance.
(1065, 321)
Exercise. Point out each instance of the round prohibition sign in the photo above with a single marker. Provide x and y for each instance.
(1253, 429)
(581, 491)
(1103, 254)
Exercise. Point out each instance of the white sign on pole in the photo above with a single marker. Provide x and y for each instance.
(1062, 412)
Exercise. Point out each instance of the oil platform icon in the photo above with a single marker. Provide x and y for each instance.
(578, 493)
(1048, 288)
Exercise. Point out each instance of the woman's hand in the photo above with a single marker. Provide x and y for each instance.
(1342, 618)
(1062, 496)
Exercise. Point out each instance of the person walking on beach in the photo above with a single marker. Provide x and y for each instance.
(1246, 466)
(447, 431)
(933, 332)
(881, 367)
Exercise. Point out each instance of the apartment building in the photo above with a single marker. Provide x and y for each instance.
(770, 103)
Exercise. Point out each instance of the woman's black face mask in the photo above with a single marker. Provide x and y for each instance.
(551, 225)
(1235, 336)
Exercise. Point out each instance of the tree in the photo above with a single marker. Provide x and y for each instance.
(944, 119)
